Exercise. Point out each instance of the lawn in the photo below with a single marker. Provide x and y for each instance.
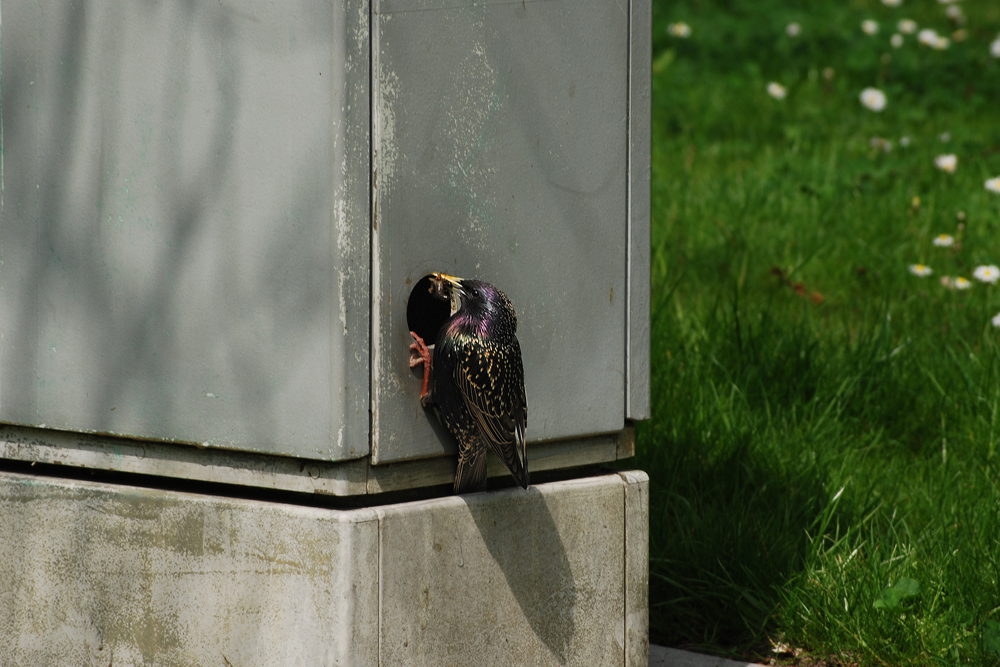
(825, 478)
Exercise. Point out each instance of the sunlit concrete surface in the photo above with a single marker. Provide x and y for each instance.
(100, 574)
(660, 656)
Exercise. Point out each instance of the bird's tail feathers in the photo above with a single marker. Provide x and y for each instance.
(471, 474)
(515, 457)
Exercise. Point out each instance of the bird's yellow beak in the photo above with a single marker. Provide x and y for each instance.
(444, 276)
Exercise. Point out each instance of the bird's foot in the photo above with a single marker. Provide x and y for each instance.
(421, 354)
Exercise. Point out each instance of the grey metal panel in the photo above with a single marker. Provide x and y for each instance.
(339, 478)
(568, 453)
(640, 65)
(145, 457)
(184, 235)
(501, 153)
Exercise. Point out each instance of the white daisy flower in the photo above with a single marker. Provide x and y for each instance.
(904, 141)
(776, 90)
(679, 29)
(896, 40)
(955, 14)
(996, 320)
(892, 3)
(873, 98)
(793, 29)
(944, 240)
(944, 137)
(920, 270)
(907, 26)
(941, 43)
(995, 48)
(927, 37)
(986, 274)
(993, 185)
(869, 27)
(947, 163)
(955, 283)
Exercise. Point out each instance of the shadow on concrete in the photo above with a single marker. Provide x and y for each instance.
(524, 531)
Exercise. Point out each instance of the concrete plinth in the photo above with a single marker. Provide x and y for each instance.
(94, 574)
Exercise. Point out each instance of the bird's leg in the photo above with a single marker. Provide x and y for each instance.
(421, 354)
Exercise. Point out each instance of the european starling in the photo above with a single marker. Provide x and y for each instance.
(477, 383)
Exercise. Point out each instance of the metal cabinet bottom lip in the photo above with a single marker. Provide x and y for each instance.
(343, 478)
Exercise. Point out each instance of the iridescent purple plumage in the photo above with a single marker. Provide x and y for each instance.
(477, 384)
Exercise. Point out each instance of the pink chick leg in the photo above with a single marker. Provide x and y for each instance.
(420, 354)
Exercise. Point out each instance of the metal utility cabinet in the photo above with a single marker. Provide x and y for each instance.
(212, 218)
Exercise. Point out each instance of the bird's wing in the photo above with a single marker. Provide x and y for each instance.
(491, 380)
(521, 406)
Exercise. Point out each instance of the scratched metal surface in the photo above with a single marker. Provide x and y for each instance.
(502, 153)
(184, 246)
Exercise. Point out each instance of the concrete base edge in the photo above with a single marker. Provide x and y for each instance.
(99, 574)
(661, 656)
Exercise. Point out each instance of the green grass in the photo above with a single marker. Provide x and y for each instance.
(825, 424)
